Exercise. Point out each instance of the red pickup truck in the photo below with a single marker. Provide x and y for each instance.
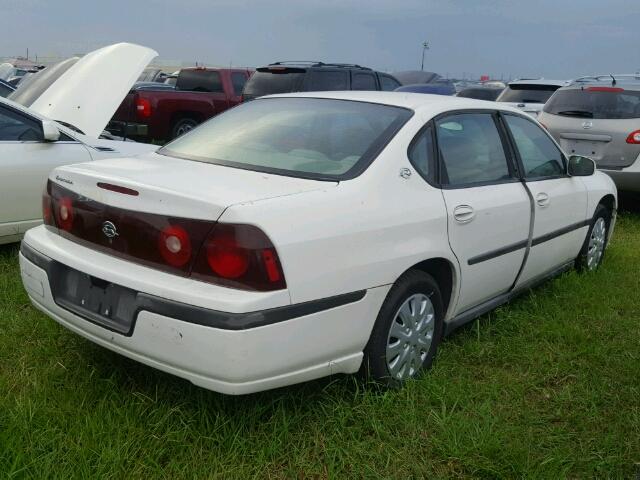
(159, 112)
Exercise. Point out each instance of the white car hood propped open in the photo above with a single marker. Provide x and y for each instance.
(88, 94)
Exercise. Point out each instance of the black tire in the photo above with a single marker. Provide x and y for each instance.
(413, 282)
(582, 261)
(182, 126)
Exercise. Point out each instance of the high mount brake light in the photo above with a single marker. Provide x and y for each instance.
(634, 138)
(118, 189)
(233, 255)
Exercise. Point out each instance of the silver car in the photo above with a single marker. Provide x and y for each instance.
(599, 117)
(530, 95)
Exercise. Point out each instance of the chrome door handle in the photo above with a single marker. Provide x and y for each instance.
(463, 213)
(542, 199)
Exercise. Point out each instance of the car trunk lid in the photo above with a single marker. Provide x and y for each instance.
(177, 187)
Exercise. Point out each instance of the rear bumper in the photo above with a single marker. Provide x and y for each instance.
(626, 179)
(128, 129)
(224, 358)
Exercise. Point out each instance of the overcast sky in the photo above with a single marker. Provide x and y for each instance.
(551, 38)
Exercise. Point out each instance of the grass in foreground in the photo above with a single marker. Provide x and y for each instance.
(546, 387)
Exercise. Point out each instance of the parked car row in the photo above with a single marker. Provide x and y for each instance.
(302, 233)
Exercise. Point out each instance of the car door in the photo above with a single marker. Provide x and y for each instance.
(560, 201)
(488, 208)
(25, 163)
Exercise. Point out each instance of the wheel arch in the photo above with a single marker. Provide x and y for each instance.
(609, 201)
(444, 273)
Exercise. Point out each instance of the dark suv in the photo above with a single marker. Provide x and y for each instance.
(286, 77)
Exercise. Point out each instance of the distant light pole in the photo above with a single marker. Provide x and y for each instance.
(425, 47)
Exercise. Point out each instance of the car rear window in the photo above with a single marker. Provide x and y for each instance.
(269, 81)
(199, 81)
(595, 102)
(527, 93)
(301, 137)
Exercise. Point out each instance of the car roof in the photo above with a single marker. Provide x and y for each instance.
(539, 81)
(628, 81)
(426, 103)
(315, 64)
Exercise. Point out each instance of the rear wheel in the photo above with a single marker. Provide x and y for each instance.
(407, 331)
(592, 252)
(182, 126)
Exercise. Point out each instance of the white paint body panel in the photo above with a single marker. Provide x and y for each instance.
(88, 94)
(332, 238)
(25, 167)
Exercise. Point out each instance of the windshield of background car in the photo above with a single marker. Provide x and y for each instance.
(268, 81)
(595, 102)
(35, 85)
(304, 137)
(527, 93)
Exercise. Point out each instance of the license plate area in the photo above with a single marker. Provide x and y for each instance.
(98, 301)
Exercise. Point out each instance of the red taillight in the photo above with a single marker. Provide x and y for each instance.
(174, 245)
(143, 107)
(239, 256)
(634, 138)
(605, 89)
(64, 213)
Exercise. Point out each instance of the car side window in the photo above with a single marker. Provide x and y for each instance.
(539, 155)
(238, 79)
(18, 128)
(421, 153)
(388, 84)
(471, 150)
(322, 81)
(363, 81)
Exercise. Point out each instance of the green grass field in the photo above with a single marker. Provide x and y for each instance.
(546, 387)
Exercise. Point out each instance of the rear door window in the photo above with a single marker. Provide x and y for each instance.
(363, 81)
(595, 102)
(328, 80)
(471, 150)
(199, 81)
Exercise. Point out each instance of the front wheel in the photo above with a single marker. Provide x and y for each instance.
(407, 331)
(592, 252)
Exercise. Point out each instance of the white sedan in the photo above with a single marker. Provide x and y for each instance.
(304, 235)
(81, 95)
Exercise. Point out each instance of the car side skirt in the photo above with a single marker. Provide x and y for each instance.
(475, 312)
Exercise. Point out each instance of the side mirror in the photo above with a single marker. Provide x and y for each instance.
(580, 166)
(50, 131)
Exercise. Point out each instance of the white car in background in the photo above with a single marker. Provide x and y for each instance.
(303, 235)
(530, 95)
(55, 118)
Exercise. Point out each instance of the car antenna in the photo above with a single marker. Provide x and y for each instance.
(614, 79)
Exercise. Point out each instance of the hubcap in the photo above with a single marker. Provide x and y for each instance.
(596, 243)
(184, 128)
(410, 336)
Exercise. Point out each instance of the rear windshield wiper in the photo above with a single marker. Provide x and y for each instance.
(577, 113)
